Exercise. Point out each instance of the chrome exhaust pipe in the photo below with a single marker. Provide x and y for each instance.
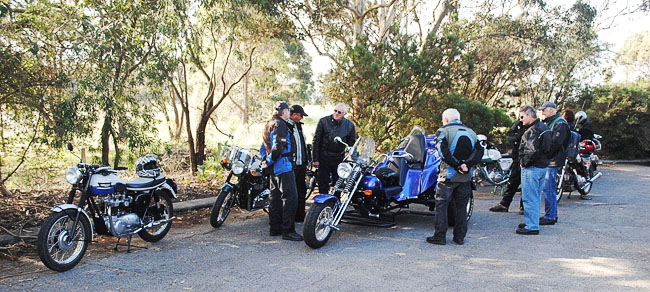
(595, 177)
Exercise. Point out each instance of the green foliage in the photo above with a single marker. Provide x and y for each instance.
(619, 113)
(635, 54)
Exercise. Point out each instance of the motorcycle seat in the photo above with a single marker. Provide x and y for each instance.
(145, 183)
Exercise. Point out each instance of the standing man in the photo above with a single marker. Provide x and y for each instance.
(532, 155)
(559, 139)
(460, 151)
(284, 197)
(514, 136)
(301, 159)
(328, 153)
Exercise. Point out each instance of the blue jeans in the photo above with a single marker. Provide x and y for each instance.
(550, 193)
(532, 182)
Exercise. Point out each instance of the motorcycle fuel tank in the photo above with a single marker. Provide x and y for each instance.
(104, 184)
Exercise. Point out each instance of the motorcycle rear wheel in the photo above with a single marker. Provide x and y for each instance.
(166, 211)
(221, 208)
(55, 247)
(451, 210)
(316, 231)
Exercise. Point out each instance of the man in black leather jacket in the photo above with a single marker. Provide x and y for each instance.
(514, 136)
(535, 144)
(327, 153)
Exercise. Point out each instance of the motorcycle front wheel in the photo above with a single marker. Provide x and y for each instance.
(221, 208)
(317, 230)
(559, 184)
(59, 247)
(154, 213)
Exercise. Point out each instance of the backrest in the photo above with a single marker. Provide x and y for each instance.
(416, 147)
(400, 168)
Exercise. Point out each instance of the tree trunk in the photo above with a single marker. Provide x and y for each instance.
(117, 149)
(246, 106)
(106, 133)
(200, 139)
(4, 191)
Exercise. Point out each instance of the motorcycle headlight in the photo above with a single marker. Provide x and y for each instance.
(238, 167)
(73, 175)
(344, 170)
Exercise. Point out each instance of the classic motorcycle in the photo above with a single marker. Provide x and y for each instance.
(108, 206)
(579, 171)
(494, 168)
(374, 188)
(250, 192)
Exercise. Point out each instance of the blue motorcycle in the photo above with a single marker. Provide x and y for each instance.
(374, 188)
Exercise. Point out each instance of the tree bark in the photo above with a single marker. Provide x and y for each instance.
(106, 133)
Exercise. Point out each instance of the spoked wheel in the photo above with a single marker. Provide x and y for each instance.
(451, 210)
(59, 247)
(155, 213)
(221, 208)
(559, 184)
(317, 230)
(477, 175)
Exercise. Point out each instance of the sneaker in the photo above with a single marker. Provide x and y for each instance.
(499, 208)
(524, 231)
(434, 240)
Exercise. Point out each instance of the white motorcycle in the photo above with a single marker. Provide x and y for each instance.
(494, 168)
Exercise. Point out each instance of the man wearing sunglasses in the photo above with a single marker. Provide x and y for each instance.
(327, 153)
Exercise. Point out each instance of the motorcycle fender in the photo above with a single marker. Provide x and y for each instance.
(322, 198)
(169, 188)
(62, 207)
(227, 187)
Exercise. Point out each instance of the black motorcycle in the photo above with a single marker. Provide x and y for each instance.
(250, 191)
(579, 171)
(108, 206)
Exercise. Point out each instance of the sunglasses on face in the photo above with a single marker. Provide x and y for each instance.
(339, 112)
(522, 117)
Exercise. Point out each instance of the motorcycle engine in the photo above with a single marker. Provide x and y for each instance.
(125, 223)
(495, 176)
(262, 199)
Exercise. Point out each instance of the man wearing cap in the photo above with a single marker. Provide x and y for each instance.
(277, 152)
(560, 137)
(327, 152)
(301, 158)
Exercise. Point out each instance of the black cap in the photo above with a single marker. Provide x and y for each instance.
(281, 105)
(298, 109)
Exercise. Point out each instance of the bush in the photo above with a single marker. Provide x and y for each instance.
(619, 113)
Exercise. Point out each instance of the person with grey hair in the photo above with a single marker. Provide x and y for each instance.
(460, 150)
(560, 133)
(327, 153)
(533, 148)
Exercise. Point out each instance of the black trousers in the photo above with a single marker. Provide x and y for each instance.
(512, 185)
(459, 192)
(284, 200)
(300, 171)
(326, 168)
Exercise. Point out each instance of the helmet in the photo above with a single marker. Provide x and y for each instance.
(147, 166)
(580, 117)
(587, 147)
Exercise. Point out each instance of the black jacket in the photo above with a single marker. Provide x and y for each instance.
(585, 130)
(559, 139)
(303, 144)
(535, 144)
(324, 146)
(514, 136)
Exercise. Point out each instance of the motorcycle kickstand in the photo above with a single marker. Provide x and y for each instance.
(128, 244)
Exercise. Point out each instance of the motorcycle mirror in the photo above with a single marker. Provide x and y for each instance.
(70, 146)
(338, 139)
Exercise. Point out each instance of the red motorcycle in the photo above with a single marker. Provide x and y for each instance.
(579, 172)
